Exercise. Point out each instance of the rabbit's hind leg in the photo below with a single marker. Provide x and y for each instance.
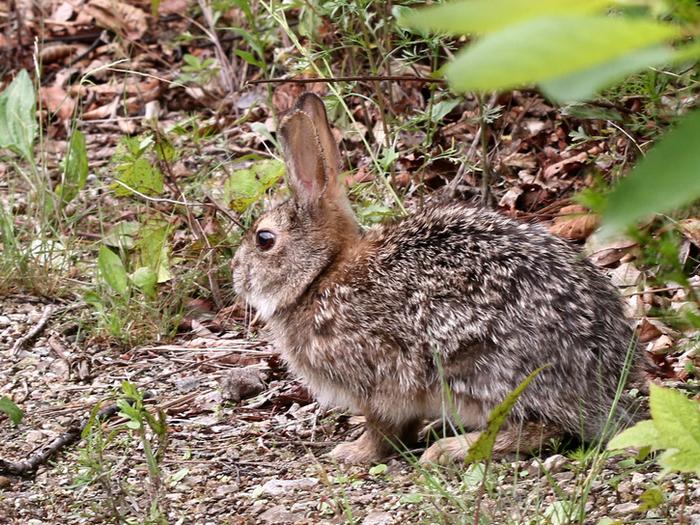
(378, 441)
(516, 439)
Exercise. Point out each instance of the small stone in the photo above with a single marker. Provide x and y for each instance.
(275, 487)
(4, 482)
(278, 515)
(188, 384)
(625, 487)
(625, 508)
(638, 479)
(225, 490)
(242, 383)
(555, 463)
(564, 476)
(4, 321)
(377, 518)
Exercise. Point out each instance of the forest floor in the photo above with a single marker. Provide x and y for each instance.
(243, 443)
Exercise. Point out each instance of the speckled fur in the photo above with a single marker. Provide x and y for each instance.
(376, 322)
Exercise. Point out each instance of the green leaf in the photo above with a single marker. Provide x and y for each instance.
(154, 250)
(18, 125)
(582, 85)
(378, 470)
(179, 475)
(145, 280)
(112, 270)
(442, 108)
(549, 48)
(484, 16)
(122, 235)
(668, 177)
(140, 175)
(75, 168)
(482, 449)
(677, 420)
(651, 498)
(413, 497)
(643, 434)
(246, 186)
(13, 411)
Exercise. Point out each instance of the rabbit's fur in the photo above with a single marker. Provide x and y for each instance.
(379, 322)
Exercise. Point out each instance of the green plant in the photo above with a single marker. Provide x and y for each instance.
(142, 431)
(13, 411)
(572, 50)
(674, 427)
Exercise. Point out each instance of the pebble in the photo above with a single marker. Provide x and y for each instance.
(241, 383)
(625, 508)
(275, 487)
(377, 518)
(278, 515)
(5, 321)
(4, 482)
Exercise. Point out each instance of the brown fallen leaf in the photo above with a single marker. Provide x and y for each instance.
(565, 165)
(123, 19)
(574, 222)
(691, 230)
(57, 101)
(57, 52)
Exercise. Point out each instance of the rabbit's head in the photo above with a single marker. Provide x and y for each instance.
(289, 246)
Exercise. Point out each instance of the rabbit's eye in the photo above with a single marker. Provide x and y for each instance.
(265, 239)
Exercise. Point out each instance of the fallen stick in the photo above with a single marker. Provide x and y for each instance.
(29, 466)
(390, 78)
(38, 328)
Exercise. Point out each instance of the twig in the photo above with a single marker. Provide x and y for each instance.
(28, 466)
(38, 328)
(389, 78)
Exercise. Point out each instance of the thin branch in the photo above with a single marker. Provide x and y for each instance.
(389, 78)
(38, 328)
(28, 466)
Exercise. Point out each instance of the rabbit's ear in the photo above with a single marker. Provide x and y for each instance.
(306, 165)
(313, 106)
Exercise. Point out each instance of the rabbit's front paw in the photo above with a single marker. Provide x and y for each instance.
(363, 450)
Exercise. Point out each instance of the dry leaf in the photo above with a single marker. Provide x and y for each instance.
(119, 17)
(574, 222)
(57, 52)
(565, 165)
(62, 13)
(626, 275)
(57, 101)
(606, 253)
(661, 345)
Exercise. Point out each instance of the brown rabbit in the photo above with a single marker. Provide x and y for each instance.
(381, 321)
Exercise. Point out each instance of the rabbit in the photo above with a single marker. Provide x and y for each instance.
(383, 321)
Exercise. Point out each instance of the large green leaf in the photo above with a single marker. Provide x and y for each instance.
(75, 169)
(643, 434)
(484, 16)
(18, 125)
(112, 270)
(668, 177)
(675, 427)
(551, 47)
(677, 421)
(585, 84)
